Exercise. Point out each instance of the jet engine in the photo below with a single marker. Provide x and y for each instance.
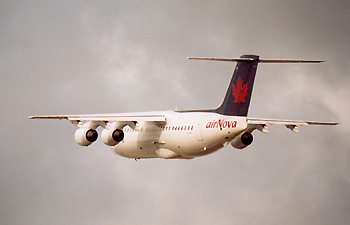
(112, 137)
(242, 140)
(85, 136)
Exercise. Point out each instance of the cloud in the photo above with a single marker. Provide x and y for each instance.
(96, 57)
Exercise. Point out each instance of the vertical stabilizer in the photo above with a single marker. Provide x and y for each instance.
(239, 92)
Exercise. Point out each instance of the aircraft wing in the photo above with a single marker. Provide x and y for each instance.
(108, 120)
(105, 117)
(261, 124)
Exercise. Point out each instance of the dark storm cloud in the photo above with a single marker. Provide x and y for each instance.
(60, 57)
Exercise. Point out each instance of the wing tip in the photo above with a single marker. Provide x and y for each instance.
(322, 123)
(48, 117)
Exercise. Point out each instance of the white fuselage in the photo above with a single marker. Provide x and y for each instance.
(182, 135)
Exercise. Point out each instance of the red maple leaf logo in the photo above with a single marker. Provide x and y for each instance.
(239, 91)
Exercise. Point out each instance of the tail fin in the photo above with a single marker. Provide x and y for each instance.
(239, 92)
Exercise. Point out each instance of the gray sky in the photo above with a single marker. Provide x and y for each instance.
(59, 57)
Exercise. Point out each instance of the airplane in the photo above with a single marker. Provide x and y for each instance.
(185, 134)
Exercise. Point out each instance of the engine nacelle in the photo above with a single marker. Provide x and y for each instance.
(112, 137)
(242, 140)
(85, 136)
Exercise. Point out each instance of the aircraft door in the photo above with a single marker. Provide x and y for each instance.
(198, 131)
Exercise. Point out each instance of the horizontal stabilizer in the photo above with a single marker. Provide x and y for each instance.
(223, 59)
(259, 60)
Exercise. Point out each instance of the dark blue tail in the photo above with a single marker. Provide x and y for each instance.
(239, 92)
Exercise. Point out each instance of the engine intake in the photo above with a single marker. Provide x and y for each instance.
(112, 137)
(242, 141)
(85, 136)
